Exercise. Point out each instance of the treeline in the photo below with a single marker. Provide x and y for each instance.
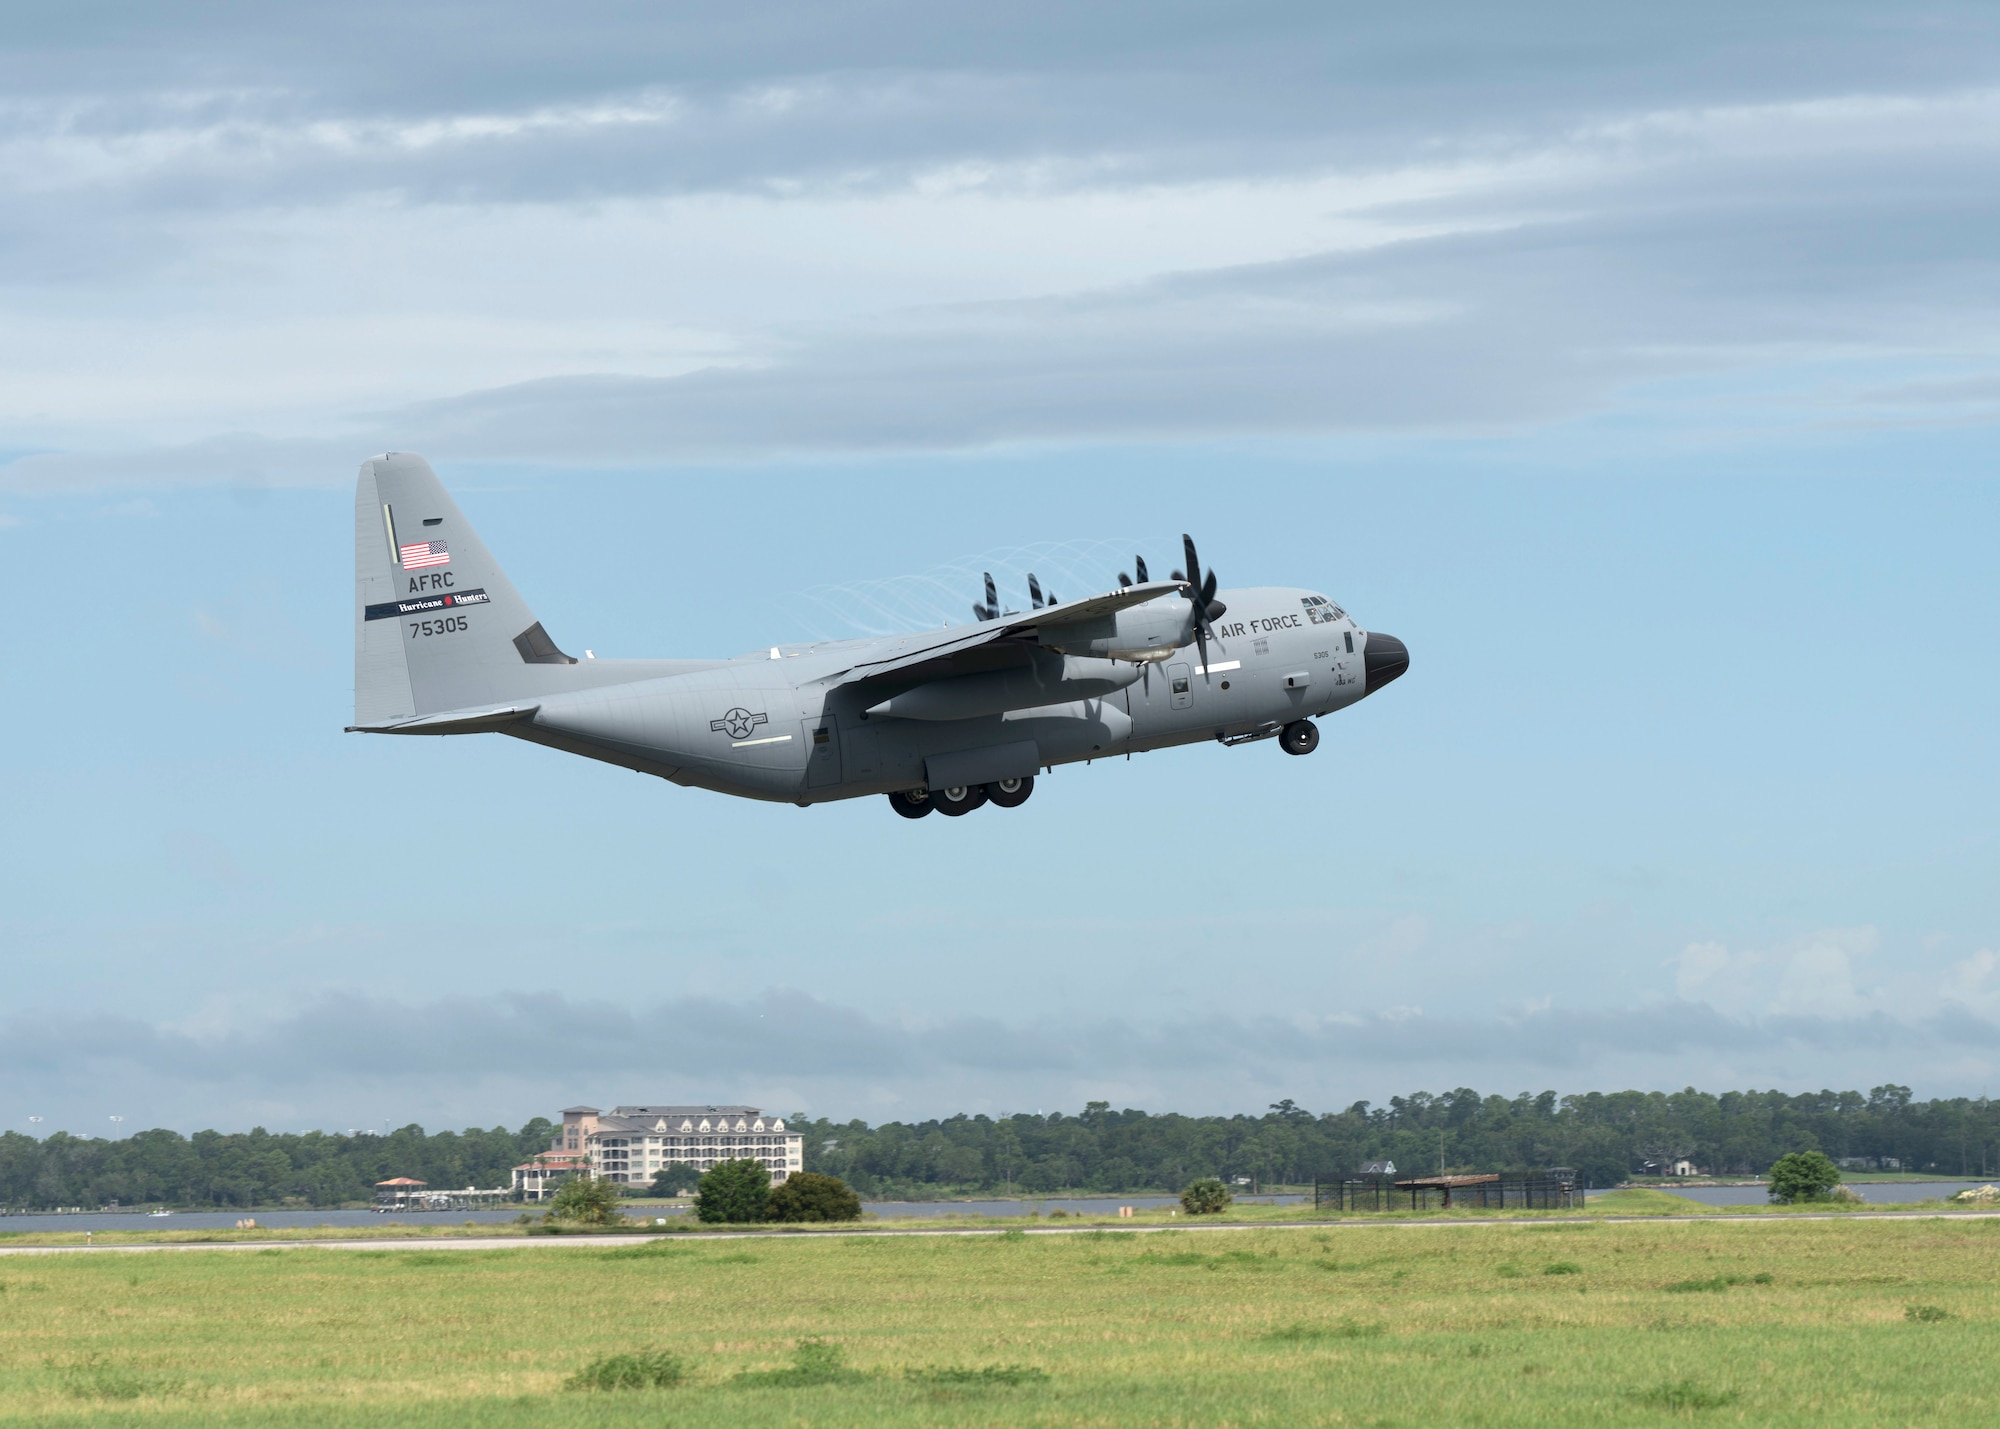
(1607, 1136)
(254, 1168)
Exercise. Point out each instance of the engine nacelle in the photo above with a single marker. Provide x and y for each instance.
(1140, 634)
(1047, 679)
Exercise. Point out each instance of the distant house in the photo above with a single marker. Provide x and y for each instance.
(1671, 1166)
(1379, 1168)
(397, 1190)
(537, 1178)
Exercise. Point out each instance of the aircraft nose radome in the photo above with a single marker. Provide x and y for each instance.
(1384, 658)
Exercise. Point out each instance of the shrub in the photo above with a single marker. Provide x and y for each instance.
(1562, 1267)
(586, 1201)
(1926, 1314)
(1332, 1330)
(95, 1377)
(809, 1196)
(734, 1192)
(1205, 1197)
(1803, 1176)
(813, 1362)
(1685, 1394)
(992, 1374)
(643, 1370)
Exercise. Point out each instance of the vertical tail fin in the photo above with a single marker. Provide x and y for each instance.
(437, 624)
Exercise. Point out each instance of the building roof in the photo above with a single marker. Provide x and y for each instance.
(638, 1121)
(402, 1181)
(579, 1111)
(553, 1161)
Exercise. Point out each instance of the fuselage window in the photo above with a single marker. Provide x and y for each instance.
(1348, 636)
(1181, 686)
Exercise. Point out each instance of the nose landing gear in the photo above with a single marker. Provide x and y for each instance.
(1301, 736)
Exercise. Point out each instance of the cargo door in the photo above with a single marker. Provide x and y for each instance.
(1180, 686)
(822, 752)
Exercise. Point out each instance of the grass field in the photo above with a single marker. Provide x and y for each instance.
(1838, 1322)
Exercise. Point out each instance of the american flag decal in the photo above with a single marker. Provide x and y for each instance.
(423, 553)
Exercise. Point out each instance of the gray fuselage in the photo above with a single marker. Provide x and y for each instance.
(783, 725)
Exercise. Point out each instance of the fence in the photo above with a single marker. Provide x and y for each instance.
(1555, 1190)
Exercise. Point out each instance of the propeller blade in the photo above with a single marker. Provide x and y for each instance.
(1124, 581)
(1140, 562)
(1034, 590)
(991, 609)
(1193, 561)
(1178, 576)
(1208, 590)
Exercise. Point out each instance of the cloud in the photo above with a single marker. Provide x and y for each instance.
(1811, 976)
(731, 239)
(1974, 982)
(448, 1055)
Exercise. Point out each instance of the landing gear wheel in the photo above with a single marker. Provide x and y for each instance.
(1011, 793)
(910, 803)
(1301, 736)
(959, 799)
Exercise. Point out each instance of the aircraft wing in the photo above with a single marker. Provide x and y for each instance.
(941, 644)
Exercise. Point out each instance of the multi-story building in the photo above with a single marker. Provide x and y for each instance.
(631, 1144)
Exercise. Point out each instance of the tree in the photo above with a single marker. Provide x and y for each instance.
(1803, 1176)
(809, 1196)
(674, 1178)
(734, 1191)
(586, 1201)
(1205, 1197)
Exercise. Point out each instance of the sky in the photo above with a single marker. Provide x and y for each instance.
(1639, 371)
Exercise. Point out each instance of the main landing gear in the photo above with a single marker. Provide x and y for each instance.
(963, 798)
(1301, 736)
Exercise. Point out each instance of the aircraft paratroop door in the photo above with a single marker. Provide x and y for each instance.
(1180, 683)
(822, 753)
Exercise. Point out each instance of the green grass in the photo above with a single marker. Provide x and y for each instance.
(1840, 1322)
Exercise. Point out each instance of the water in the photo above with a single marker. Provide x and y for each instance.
(1877, 1192)
(293, 1220)
(225, 1220)
(1881, 1193)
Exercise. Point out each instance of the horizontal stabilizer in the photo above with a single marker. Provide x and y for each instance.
(452, 722)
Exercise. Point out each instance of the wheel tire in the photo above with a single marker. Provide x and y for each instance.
(1301, 736)
(960, 799)
(910, 803)
(1014, 797)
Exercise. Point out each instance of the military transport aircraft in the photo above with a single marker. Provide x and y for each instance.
(944, 719)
